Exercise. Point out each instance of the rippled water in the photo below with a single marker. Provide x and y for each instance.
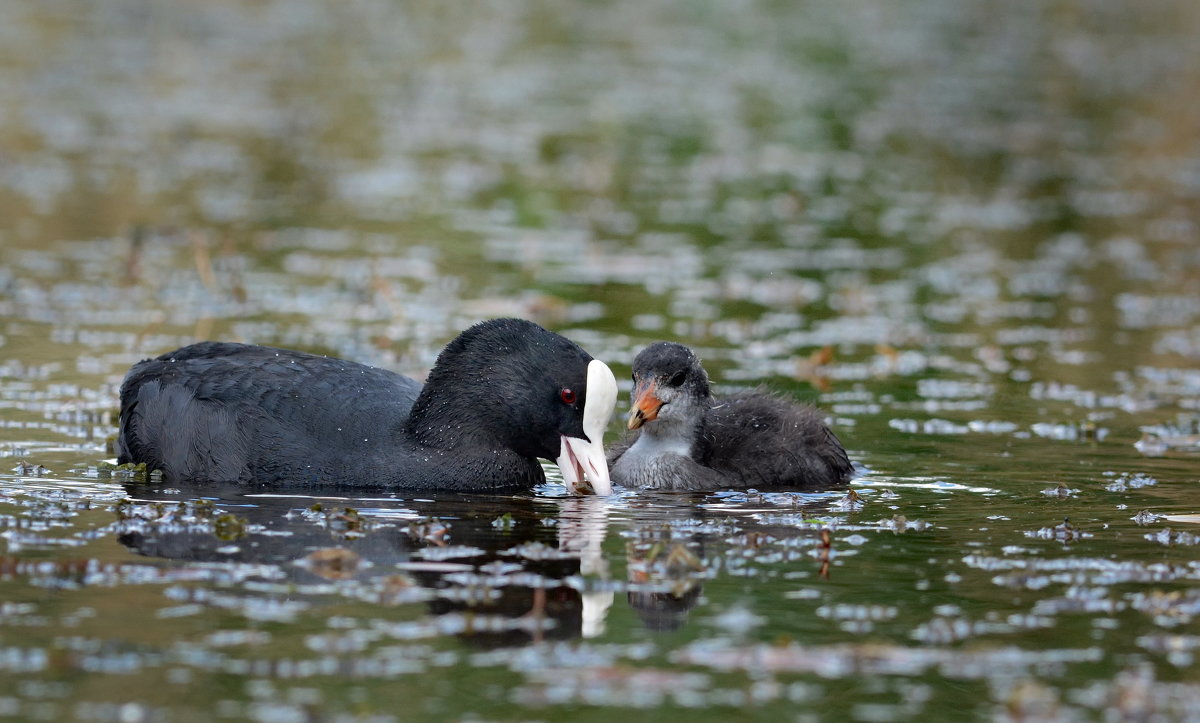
(966, 230)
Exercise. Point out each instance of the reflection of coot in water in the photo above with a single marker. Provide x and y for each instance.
(505, 599)
(502, 394)
(677, 542)
(666, 565)
(664, 612)
(687, 440)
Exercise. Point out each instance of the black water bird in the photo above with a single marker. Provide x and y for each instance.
(688, 440)
(502, 394)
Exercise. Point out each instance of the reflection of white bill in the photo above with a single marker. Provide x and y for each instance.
(582, 526)
(1193, 519)
(595, 610)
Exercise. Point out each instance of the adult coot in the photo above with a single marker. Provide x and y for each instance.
(502, 394)
(687, 440)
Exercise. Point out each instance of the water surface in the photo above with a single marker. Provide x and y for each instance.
(966, 230)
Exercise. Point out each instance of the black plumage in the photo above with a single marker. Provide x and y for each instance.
(495, 401)
(685, 439)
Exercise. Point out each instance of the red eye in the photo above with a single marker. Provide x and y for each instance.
(568, 396)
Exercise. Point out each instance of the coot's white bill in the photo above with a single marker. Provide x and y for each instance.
(584, 468)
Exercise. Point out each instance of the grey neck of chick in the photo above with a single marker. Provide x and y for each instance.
(682, 423)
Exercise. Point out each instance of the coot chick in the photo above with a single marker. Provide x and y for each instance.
(687, 440)
(502, 394)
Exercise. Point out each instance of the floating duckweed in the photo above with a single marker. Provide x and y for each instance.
(1146, 517)
(1061, 491)
(28, 469)
(430, 530)
(333, 563)
(345, 522)
(124, 509)
(128, 472)
(1065, 532)
(852, 502)
(229, 527)
(1130, 481)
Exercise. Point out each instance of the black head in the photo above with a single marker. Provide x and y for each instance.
(510, 382)
(666, 373)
